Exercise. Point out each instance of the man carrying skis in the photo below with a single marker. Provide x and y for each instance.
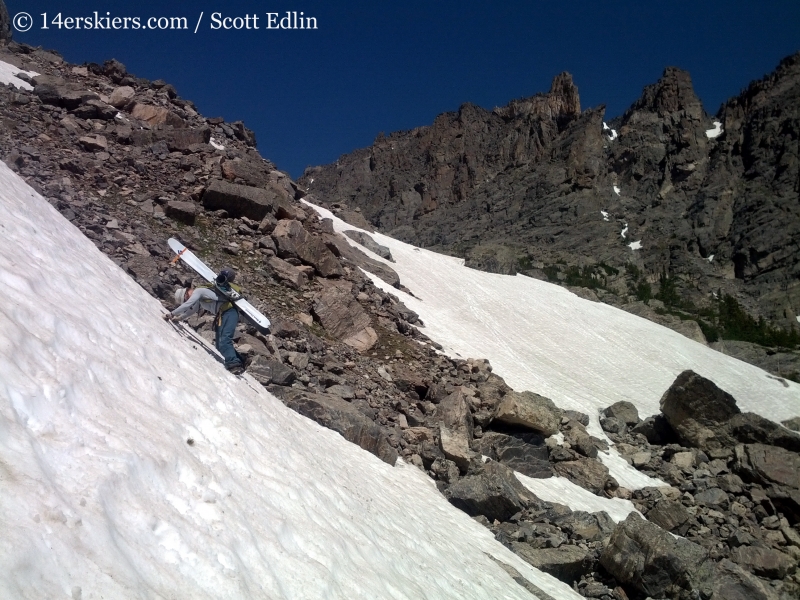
(213, 299)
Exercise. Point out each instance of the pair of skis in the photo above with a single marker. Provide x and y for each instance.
(245, 308)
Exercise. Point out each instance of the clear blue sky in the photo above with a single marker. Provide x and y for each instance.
(384, 65)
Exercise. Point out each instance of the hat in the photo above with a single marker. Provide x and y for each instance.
(180, 293)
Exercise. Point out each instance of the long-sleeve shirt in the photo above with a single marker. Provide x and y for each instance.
(201, 299)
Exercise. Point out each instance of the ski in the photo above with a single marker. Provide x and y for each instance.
(202, 269)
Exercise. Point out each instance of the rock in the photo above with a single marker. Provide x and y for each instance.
(645, 557)
(584, 526)
(767, 465)
(344, 250)
(696, 409)
(494, 493)
(576, 436)
(454, 444)
(764, 562)
(185, 212)
(94, 143)
(712, 497)
(292, 240)
(370, 244)
(529, 410)
(566, 563)
(156, 115)
(525, 453)
(657, 430)
(750, 428)
(176, 140)
(287, 273)
(335, 413)
(5, 24)
(121, 96)
(669, 514)
(588, 473)
(454, 413)
(242, 201)
(731, 582)
(267, 371)
(623, 411)
(342, 316)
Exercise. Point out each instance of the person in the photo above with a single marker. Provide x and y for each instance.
(212, 298)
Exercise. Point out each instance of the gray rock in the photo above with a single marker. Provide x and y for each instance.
(292, 240)
(696, 409)
(765, 562)
(767, 465)
(494, 493)
(623, 411)
(529, 410)
(525, 453)
(287, 273)
(669, 514)
(5, 24)
(185, 212)
(267, 371)
(335, 413)
(588, 473)
(240, 200)
(643, 556)
(712, 497)
(355, 256)
(370, 244)
(340, 314)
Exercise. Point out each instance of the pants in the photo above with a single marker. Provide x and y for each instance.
(223, 335)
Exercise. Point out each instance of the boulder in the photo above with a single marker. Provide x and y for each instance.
(94, 143)
(588, 473)
(335, 413)
(121, 96)
(589, 527)
(293, 241)
(525, 453)
(529, 410)
(623, 411)
(342, 316)
(251, 173)
(566, 563)
(342, 249)
(643, 556)
(156, 115)
(185, 212)
(696, 409)
(287, 273)
(764, 562)
(494, 493)
(176, 140)
(669, 514)
(267, 371)
(730, 582)
(365, 240)
(767, 465)
(578, 438)
(454, 444)
(241, 200)
(454, 413)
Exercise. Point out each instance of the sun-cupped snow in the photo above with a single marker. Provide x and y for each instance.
(8, 74)
(715, 131)
(135, 466)
(583, 355)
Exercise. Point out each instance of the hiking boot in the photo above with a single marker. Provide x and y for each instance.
(236, 369)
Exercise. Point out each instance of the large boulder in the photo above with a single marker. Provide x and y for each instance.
(625, 412)
(293, 241)
(343, 318)
(287, 273)
(529, 410)
(342, 249)
(334, 413)
(244, 201)
(525, 453)
(697, 410)
(588, 473)
(58, 92)
(764, 562)
(370, 244)
(768, 465)
(643, 556)
(494, 493)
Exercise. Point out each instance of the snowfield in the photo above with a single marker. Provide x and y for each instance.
(103, 496)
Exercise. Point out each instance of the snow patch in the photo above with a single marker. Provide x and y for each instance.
(624, 231)
(635, 245)
(216, 144)
(8, 74)
(616, 190)
(611, 136)
(605, 215)
(715, 131)
(710, 258)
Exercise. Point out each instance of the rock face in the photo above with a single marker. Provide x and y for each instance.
(5, 24)
(521, 189)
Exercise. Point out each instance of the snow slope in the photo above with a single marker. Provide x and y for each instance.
(583, 355)
(102, 496)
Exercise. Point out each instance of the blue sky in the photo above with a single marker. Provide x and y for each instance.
(382, 66)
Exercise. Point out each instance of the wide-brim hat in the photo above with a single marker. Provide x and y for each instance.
(180, 293)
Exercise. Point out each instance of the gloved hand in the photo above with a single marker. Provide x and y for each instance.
(168, 317)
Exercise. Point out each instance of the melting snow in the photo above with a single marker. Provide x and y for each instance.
(611, 136)
(715, 131)
(102, 496)
(605, 215)
(616, 190)
(8, 72)
(710, 258)
(635, 245)
(624, 231)
(216, 144)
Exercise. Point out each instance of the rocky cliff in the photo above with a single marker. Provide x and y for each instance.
(543, 188)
